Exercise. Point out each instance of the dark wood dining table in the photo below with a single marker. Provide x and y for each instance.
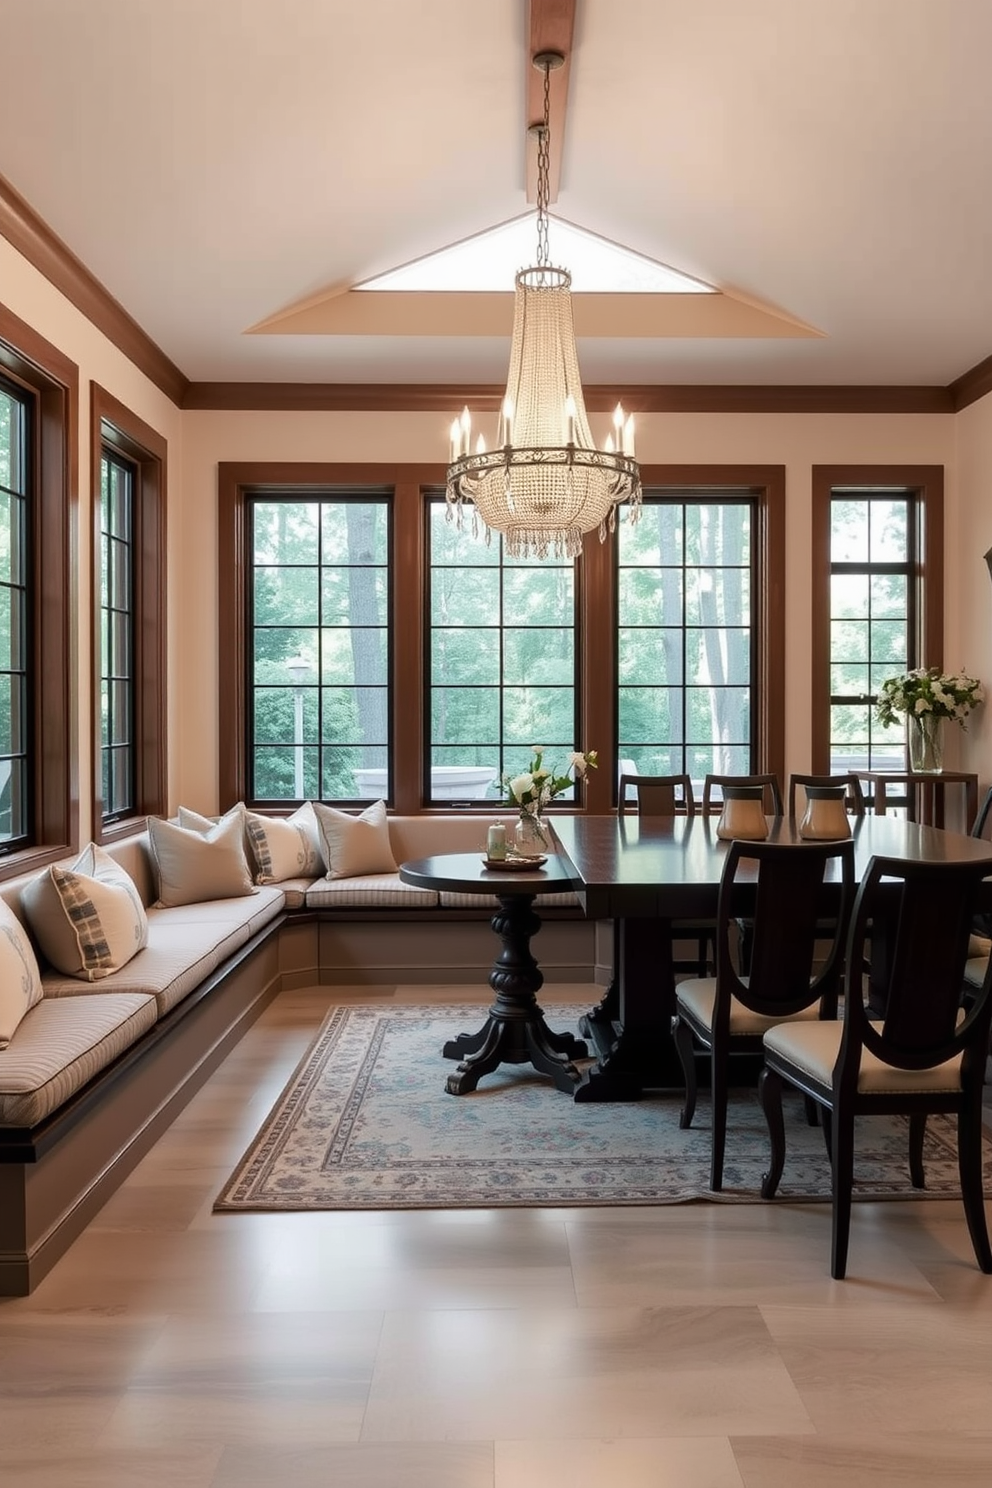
(645, 872)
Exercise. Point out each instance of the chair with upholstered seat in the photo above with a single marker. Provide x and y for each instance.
(980, 943)
(788, 889)
(714, 783)
(923, 1055)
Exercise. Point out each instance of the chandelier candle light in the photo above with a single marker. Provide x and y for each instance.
(545, 483)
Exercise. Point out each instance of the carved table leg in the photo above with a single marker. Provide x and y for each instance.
(515, 1031)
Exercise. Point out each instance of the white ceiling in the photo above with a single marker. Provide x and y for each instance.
(214, 162)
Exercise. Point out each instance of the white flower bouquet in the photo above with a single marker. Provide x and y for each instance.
(532, 790)
(929, 691)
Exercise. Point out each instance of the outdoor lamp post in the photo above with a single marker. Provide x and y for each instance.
(299, 669)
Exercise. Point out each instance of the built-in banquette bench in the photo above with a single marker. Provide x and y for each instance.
(103, 1060)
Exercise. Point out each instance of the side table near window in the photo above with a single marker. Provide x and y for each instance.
(924, 793)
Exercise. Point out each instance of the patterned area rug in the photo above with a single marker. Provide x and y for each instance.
(365, 1123)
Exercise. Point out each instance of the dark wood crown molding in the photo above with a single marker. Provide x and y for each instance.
(346, 397)
(972, 385)
(23, 228)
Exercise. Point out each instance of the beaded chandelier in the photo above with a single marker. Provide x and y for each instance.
(545, 483)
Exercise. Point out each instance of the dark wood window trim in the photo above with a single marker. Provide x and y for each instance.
(51, 382)
(926, 484)
(412, 485)
(114, 425)
(766, 484)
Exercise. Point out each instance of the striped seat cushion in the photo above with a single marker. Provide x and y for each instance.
(60, 1045)
(371, 891)
(450, 899)
(185, 945)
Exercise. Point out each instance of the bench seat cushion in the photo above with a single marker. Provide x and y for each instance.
(60, 1046)
(295, 891)
(450, 899)
(371, 891)
(185, 945)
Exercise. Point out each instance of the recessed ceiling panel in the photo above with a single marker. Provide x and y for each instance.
(489, 261)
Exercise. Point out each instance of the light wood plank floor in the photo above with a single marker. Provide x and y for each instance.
(702, 1346)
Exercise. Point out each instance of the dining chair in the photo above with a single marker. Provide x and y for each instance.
(657, 795)
(922, 1055)
(668, 796)
(854, 799)
(772, 798)
(980, 941)
(854, 803)
(773, 791)
(790, 887)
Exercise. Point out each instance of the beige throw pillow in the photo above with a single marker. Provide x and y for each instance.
(355, 844)
(88, 919)
(193, 866)
(20, 979)
(285, 847)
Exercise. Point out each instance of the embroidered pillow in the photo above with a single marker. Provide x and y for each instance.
(354, 845)
(20, 979)
(193, 866)
(88, 919)
(285, 847)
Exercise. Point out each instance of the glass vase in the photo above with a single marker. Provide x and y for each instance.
(531, 836)
(926, 743)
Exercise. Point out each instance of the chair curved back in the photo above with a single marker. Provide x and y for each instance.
(793, 886)
(979, 824)
(854, 799)
(658, 795)
(928, 910)
(773, 791)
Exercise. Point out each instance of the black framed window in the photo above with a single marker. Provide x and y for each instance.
(874, 625)
(319, 655)
(501, 654)
(686, 701)
(117, 641)
(16, 443)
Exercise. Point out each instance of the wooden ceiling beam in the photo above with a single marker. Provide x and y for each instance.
(552, 23)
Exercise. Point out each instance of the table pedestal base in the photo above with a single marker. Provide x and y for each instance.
(515, 1031)
(631, 1027)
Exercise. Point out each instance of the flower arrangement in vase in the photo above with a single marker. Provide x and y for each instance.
(530, 791)
(925, 697)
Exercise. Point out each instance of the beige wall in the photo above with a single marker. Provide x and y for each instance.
(198, 441)
(29, 295)
(968, 621)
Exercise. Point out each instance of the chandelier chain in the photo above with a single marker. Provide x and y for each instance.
(544, 175)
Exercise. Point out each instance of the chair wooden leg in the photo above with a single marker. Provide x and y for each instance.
(828, 1132)
(843, 1184)
(917, 1133)
(812, 1111)
(972, 1191)
(770, 1096)
(718, 1090)
(686, 1046)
